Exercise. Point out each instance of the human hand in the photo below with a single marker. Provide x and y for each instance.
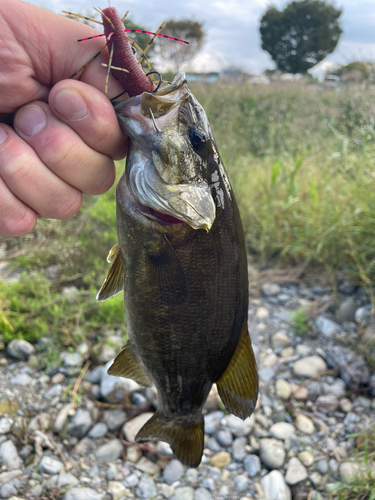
(65, 133)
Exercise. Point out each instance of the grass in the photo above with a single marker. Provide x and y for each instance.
(301, 164)
(361, 486)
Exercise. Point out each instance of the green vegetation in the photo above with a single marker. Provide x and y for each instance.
(300, 321)
(302, 165)
(361, 486)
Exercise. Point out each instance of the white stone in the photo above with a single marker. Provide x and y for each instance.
(309, 367)
(282, 430)
(262, 313)
(237, 426)
(306, 457)
(283, 389)
(280, 340)
(304, 424)
(295, 472)
(272, 453)
(274, 486)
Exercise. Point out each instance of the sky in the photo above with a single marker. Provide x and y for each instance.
(232, 28)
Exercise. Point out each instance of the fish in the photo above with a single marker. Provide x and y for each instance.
(182, 265)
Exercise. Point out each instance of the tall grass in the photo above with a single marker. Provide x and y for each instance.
(302, 165)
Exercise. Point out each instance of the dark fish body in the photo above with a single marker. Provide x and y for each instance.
(181, 261)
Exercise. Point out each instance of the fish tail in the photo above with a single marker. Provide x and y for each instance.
(186, 440)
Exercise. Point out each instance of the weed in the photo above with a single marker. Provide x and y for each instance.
(300, 322)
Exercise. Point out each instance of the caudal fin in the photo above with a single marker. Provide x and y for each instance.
(186, 440)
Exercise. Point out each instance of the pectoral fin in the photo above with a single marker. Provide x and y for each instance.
(238, 385)
(114, 281)
(186, 440)
(125, 365)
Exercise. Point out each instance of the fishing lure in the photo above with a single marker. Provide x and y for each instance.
(125, 68)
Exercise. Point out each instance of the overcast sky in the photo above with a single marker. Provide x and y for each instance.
(232, 28)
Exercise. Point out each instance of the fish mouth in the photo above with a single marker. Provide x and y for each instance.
(169, 203)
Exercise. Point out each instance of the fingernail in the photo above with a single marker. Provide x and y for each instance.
(30, 120)
(3, 135)
(70, 105)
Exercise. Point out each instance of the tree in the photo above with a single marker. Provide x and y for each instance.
(301, 35)
(140, 39)
(179, 53)
(355, 71)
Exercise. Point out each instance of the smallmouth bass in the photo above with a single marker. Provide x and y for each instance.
(181, 261)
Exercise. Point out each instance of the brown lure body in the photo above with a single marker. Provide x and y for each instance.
(135, 82)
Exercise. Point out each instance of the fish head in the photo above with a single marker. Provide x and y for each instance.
(172, 154)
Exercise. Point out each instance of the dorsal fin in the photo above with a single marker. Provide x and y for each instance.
(114, 281)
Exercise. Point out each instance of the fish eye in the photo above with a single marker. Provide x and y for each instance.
(197, 139)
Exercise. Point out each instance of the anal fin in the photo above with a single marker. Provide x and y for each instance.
(125, 365)
(186, 440)
(114, 281)
(238, 385)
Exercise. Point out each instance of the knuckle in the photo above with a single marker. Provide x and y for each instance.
(103, 181)
(19, 223)
(69, 205)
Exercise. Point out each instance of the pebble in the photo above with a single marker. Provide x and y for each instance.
(280, 340)
(369, 335)
(173, 471)
(131, 428)
(295, 472)
(347, 309)
(114, 418)
(282, 430)
(364, 316)
(242, 483)
(353, 368)
(20, 349)
(238, 448)
(212, 422)
(80, 424)
(304, 424)
(117, 490)
(283, 389)
(192, 476)
(299, 392)
(6, 477)
(5, 425)
(224, 437)
(9, 456)
(83, 494)
(63, 480)
(345, 405)
(133, 453)
(202, 494)
(145, 465)
(21, 379)
(309, 367)
(237, 426)
(262, 313)
(62, 418)
(184, 493)
(287, 352)
(349, 470)
(327, 327)
(98, 431)
(275, 487)
(306, 457)
(252, 465)
(131, 480)
(10, 488)
(109, 451)
(327, 403)
(146, 487)
(220, 459)
(49, 465)
(303, 350)
(271, 289)
(272, 453)
(71, 359)
(337, 388)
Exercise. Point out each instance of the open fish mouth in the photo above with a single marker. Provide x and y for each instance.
(170, 203)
